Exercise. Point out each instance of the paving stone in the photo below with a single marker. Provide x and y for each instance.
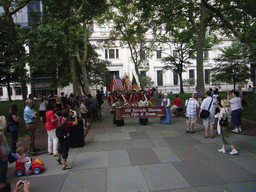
(128, 129)
(139, 135)
(121, 136)
(90, 180)
(91, 160)
(188, 153)
(242, 187)
(119, 158)
(165, 154)
(246, 146)
(142, 156)
(229, 171)
(126, 179)
(92, 146)
(163, 176)
(159, 142)
(174, 141)
(170, 133)
(213, 188)
(116, 145)
(102, 137)
(142, 143)
(249, 163)
(197, 174)
(39, 185)
(154, 134)
(113, 130)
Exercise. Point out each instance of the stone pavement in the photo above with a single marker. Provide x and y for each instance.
(154, 157)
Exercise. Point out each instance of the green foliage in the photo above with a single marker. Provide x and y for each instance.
(147, 81)
(232, 64)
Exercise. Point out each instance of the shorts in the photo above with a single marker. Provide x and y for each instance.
(174, 107)
(191, 119)
(84, 115)
(209, 121)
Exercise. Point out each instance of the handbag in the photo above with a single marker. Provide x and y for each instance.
(205, 113)
(224, 121)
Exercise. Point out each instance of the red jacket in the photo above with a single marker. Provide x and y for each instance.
(49, 125)
(177, 101)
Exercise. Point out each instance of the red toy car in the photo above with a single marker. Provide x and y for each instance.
(35, 168)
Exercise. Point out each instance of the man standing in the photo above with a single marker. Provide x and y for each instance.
(30, 119)
(176, 104)
(209, 121)
(191, 105)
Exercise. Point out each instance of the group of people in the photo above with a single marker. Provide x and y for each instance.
(230, 108)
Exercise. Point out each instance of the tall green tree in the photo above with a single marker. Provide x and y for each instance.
(15, 58)
(69, 25)
(232, 65)
(130, 29)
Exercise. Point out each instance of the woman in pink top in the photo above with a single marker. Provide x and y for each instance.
(51, 125)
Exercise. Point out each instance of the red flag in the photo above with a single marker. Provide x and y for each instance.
(112, 83)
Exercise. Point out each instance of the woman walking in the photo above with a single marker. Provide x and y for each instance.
(51, 125)
(225, 113)
(14, 126)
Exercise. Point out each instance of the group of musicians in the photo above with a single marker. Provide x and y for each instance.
(128, 99)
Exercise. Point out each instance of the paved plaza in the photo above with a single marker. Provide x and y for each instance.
(153, 157)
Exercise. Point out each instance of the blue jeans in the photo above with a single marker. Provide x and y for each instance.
(237, 117)
(14, 137)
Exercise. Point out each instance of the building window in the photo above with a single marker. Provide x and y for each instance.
(207, 76)
(143, 73)
(159, 54)
(175, 53)
(17, 90)
(1, 91)
(192, 74)
(206, 54)
(103, 30)
(111, 53)
(175, 78)
(159, 78)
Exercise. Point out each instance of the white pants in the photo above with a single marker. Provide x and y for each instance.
(52, 141)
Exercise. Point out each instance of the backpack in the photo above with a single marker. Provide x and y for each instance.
(60, 129)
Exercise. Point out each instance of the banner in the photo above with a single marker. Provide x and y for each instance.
(139, 112)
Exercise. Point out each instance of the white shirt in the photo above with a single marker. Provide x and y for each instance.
(206, 103)
(225, 112)
(236, 103)
(191, 107)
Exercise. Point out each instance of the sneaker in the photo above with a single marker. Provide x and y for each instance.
(235, 130)
(222, 150)
(187, 131)
(192, 131)
(239, 129)
(233, 152)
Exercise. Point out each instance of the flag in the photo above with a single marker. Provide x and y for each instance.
(112, 83)
(125, 82)
(134, 83)
(117, 83)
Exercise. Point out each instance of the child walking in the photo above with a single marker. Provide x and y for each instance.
(225, 112)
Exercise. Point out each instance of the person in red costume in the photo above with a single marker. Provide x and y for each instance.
(176, 104)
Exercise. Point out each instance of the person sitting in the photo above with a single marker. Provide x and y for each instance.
(176, 104)
(23, 159)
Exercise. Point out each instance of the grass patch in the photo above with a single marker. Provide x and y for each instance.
(4, 110)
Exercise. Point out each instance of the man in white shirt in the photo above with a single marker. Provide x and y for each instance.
(209, 121)
(191, 105)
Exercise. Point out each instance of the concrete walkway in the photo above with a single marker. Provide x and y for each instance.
(154, 157)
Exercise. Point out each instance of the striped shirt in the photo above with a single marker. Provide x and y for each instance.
(192, 104)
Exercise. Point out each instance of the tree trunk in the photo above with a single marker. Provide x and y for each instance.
(82, 62)
(9, 88)
(181, 84)
(200, 50)
(73, 74)
(138, 74)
